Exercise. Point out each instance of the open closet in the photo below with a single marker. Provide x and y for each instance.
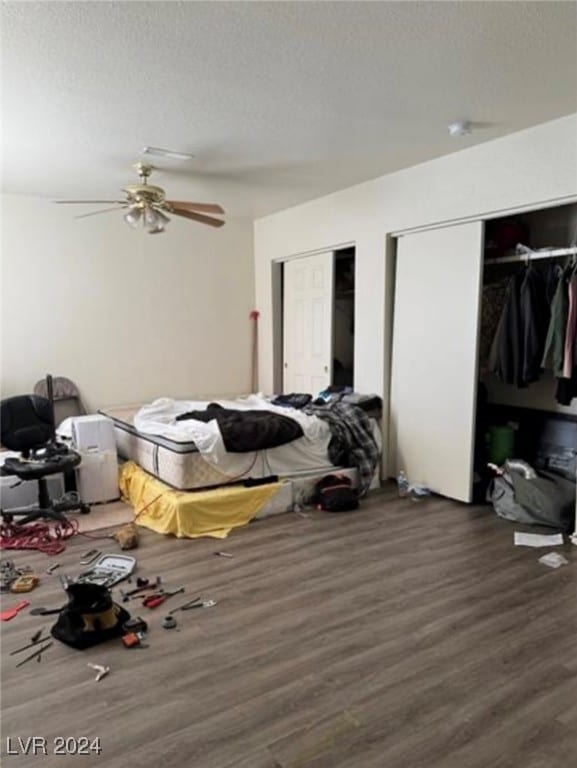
(467, 381)
(318, 310)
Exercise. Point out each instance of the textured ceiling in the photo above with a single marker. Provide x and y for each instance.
(281, 102)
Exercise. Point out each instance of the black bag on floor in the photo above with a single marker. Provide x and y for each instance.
(335, 493)
(91, 616)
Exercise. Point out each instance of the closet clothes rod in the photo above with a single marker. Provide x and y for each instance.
(532, 255)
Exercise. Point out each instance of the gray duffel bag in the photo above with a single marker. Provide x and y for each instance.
(524, 496)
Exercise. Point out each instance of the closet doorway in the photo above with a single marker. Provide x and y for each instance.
(445, 398)
(318, 311)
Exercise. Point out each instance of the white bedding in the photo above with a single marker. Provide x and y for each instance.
(159, 418)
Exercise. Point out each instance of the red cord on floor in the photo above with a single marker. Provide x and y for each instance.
(45, 537)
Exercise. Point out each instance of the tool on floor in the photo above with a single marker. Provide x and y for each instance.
(25, 583)
(11, 612)
(8, 575)
(108, 570)
(36, 655)
(34, 640)
(223, 554)
(89, 556)
(52, 568)
(134, 640)
(101, 671)
(152, 601)
(41, 611)
(143, 587)
(196, 603)
(135, 624)
(169, 622)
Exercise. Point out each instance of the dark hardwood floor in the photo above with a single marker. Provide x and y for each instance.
(403, 635)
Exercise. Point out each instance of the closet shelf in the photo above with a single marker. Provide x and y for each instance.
(532, 255)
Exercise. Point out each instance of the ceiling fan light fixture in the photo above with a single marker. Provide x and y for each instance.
(154, 220)
(133, 216)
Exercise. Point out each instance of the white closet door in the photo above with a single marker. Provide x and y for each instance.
(434, 360)
(308, 323)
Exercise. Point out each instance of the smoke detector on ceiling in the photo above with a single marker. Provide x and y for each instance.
(460, 128)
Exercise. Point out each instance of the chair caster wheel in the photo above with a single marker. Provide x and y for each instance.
(84, 509)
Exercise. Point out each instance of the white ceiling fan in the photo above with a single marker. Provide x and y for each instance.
(147, 205)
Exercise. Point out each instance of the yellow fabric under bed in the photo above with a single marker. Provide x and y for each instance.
(190, 514)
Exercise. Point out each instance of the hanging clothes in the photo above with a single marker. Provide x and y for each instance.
(494, 297)
(555, 341)
(505, 357)
(535, 317)
(567, 384)
(519, 343)
(571, 329)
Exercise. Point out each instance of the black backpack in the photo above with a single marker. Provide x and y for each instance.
(91, 616)
(335, 493)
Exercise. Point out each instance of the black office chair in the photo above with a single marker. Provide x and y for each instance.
(27, 426)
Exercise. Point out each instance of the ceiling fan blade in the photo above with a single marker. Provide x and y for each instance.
(203, 207)
(88, 202)
(104, 210)
(197, 217)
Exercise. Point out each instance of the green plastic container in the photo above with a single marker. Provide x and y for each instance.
(500, 444)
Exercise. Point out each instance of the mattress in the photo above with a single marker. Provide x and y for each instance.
(182, 466)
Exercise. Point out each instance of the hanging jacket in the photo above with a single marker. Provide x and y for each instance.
(571, 329)
(555, 341)
(505, 359)
(535, 316)
(567, 385)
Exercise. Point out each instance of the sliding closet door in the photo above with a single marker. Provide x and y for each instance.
(308, 323)
(434, 360)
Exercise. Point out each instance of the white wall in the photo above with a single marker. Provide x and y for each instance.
(126, 315)
(524, 169)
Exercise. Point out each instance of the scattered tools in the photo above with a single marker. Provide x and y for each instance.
(134, 640)
(52, 568)
(25, 583)
(40, 611)
(156, 599)
(101, 671)
(135, 625)
(11, 612)
(144, 586)
(36, 655)
(89, 556)
(169, 622)
(108, 570)
(8, 575)
(196, 603)
(34, 640)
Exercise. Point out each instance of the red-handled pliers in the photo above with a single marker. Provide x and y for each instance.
(152, 601)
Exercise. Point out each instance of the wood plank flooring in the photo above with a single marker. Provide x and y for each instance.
(403, 635)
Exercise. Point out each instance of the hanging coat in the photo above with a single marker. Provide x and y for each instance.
(555, 341)
(519, 343)
(535, 317)
(505, 359)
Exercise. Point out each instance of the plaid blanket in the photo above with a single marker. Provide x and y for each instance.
(352, 443)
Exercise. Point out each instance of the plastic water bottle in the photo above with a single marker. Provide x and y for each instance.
(402, 484)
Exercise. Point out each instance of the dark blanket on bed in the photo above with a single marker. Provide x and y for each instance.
(352, 442)
(245, 431)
